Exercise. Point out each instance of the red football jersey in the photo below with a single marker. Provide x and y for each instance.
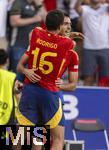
(50, 54)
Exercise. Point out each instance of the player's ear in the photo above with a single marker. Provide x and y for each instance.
(59, 29)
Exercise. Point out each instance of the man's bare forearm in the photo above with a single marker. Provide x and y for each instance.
(21, 64)
(21, 69)
(68, 87)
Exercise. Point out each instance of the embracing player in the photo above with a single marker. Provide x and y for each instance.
(48, 56)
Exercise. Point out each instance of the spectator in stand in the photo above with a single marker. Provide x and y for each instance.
(64, 5)
(95, 23)
(4, 7)
(25, 15)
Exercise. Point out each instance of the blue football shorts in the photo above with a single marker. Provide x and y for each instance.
(39, 106)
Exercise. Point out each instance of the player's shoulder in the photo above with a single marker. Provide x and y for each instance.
(38, 29)
(67, 39)
(73, 53)
(70, 42)
(64, 37)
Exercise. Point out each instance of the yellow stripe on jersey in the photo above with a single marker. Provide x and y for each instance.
(63, 61)
(22, 120)
(56, 118)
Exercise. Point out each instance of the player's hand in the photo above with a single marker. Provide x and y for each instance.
(31, 75)
(18, 86)
(76, 35)
(59, 83)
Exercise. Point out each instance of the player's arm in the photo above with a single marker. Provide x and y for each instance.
(17, 90)
(71, 84)
(78, 7)
(29, 73)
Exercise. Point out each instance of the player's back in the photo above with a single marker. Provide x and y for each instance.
(47, 54)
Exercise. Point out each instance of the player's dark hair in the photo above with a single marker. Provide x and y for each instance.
(3, 56)
(66, 14)
(54, 19)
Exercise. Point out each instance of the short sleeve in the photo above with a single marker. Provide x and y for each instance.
(16, 8)
(74, 61)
